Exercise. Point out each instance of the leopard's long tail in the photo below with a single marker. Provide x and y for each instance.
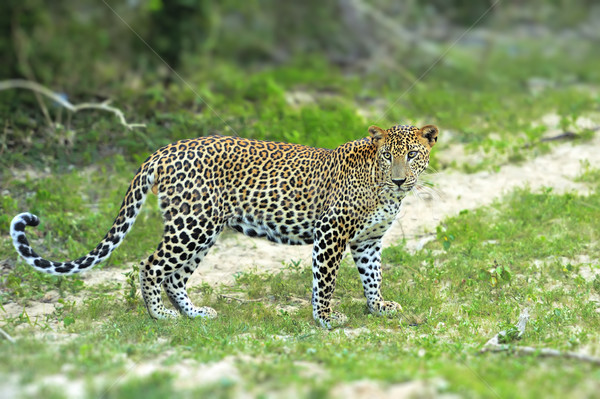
(132, 203)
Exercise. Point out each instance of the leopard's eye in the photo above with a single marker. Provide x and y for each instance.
(387, 155)
(412, 154)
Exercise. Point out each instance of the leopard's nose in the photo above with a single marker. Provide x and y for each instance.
(399, 182)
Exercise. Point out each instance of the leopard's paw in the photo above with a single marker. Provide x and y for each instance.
(207, 312)
(386, 308)
(162, 313)
(332, 320)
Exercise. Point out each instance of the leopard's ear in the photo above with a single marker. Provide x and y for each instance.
(378, 135)
(428, 135)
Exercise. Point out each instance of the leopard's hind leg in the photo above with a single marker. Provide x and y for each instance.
(175, 284)
(152, 274)
(193, 221)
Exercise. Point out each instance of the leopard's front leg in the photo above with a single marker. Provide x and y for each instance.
(327, 253)
(367, 256)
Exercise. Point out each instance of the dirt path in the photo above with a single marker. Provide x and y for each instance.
(420, 215)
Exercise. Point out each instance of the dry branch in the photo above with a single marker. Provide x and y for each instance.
(545, 352)
(495, 345)
(242, 300)
(567, 135)
(38, 88)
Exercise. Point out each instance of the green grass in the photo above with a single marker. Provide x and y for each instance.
(527, 241)
(588, 175)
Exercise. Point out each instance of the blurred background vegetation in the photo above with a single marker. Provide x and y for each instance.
(312, 72)
(499, 78)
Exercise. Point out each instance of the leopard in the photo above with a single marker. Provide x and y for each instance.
(288, 193)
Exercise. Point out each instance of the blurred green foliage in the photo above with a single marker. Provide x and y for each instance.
(310, 72)
(61, 40)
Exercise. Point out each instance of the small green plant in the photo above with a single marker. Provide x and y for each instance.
(588, 173)
(446, 239)
(509, 333)
(596, 283)
(496, 274)
(65, 312)
(294, 265)
(130, 290)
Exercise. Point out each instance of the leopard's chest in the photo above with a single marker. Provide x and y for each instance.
(379, 221)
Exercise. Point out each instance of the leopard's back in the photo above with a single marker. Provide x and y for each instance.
(262, 189)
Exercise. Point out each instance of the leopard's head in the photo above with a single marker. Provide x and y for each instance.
(402, 154)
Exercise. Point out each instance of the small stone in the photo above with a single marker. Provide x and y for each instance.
(50, 297)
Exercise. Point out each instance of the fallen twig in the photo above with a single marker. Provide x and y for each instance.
(566, 135)
(8, 337)
(495, 345)
(38, 88)
(545, 352)
(240, 299)
(563, 136)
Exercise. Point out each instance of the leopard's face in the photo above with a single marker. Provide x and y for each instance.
(402, 155)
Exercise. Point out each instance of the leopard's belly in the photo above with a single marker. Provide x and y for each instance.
(299, 232)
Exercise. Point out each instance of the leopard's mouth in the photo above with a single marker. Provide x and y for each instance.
(397, 191)
(404, 188)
